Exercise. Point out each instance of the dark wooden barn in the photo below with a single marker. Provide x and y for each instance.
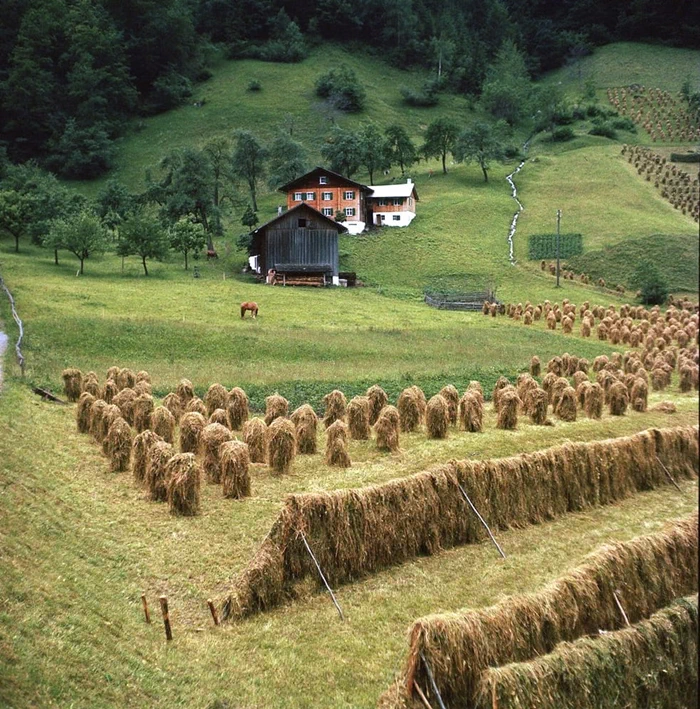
(301, 245)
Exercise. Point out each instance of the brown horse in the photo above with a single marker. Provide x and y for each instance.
(249, 305)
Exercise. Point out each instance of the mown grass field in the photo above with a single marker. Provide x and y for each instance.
(78, 544)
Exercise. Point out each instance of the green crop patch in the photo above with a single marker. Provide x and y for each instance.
(545, 245)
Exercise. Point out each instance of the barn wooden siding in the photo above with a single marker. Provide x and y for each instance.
(302, 246)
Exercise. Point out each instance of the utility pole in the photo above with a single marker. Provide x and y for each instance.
(558, 239)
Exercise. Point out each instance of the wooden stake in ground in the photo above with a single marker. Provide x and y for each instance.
(433, 684)
(166, 617)
(668, 475)
(144, 603)
(422, 696)
(481, 519)
(323, 578)
(622, 610)
(212, 609)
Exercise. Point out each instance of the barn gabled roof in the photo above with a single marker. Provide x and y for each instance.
(317, 171)
(307, 208)
(403, 189)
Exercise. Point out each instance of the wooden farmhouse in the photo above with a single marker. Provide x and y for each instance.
(300, 245)
(360, 205)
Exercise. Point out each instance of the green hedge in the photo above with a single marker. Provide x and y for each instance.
(545, 245)
(685, 157)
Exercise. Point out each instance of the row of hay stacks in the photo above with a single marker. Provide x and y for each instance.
(675, 184)
(359, 531)
(653, 663)
(469, 652)
(628, 325)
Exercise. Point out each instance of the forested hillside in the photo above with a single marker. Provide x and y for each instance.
(72, 72)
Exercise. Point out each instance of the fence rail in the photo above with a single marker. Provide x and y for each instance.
(459, 301)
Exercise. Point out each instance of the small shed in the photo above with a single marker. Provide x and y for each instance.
(301, 244)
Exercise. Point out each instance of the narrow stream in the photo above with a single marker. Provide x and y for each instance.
(514, 223)
(3, 347)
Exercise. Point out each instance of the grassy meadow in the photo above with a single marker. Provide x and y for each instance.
(79, 545)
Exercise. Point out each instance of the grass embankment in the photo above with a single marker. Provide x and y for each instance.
(80, 545)
(305, 341)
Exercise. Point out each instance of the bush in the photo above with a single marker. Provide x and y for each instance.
(562, 134)
(170, 90)
(685, 157)
(545, 246)
(341, 88)
(603, 129)
(427, 96)
(624, 123)
(254, 85)
(653, 286)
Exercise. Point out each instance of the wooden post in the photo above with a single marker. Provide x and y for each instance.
(621, 609)
(166, 617)
(212, 609)
(433, 683)
(668, 475)
(422, 696)
(323, 578)
(482, 520)
(558, 237)
(144, 603)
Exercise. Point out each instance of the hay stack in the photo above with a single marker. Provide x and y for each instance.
(551, 321)
(501, 384)
(687, 374)
(113, 374)
(142, 408)
(639, 395)
(305, 423)
(191, 426)
(91, 385)
(109, 391)
(143, 387)
(377, 401)
(593, 401)
(219, 416)
(159, 455)
(471, 412)
(82, 411)
(72, 383)
(450, 394)
(358, 418)
(618, 399)
(556, 366)
(599, 363)
(276, 406)
(185, 392)
(109, 415)
(581, 390)
(163, 423)
(409, 409)
(336, 406)
(566, 410)
(237, 408)
(126, 379)
(422, 401)
(254, 433)
(125, 400)
(213, 435)
(173, 404)
(508, 403)
(538, 402)
(579, 378)
(475, 388)
(215, 398)
(182, 485)
(97, 411)
(118, 439)
(557, 389)
(280, 445)
(437, 417)
(585, 327)
(535, 366)
(337, 445)
(525, 385)
(386, 429)
(567, 325)
(140, 449)
(235, 476)
(196, 404)
(143, 376)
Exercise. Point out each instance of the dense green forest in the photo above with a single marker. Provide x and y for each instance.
(72, 72)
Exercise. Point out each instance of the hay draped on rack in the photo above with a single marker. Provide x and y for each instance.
(163, 423)
(213, 435)
(191, 426)
(72, 383)
(237, 408)
(337, 445)
(280, 445)
(359, 531)
(183, 482)
(653, 663)
(235, 476)
(336, 406)
(359, 418)
(276, 406)
(215, 398)
(118, 445)
(378, 399)
(386, 429)
(140, 449)
(305, 422)
(254, 431)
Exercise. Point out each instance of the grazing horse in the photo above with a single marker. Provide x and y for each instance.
(253, 307)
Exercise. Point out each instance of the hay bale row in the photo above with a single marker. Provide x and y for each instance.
(648, 571)
(359, 531)
(652, 663)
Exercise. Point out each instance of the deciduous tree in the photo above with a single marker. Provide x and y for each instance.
(479, 143)
(439, 140)
(82, 234)
(143, 235)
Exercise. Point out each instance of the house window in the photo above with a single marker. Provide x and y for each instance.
(397, 217)
(382, 203)
(322, 180)
(327, 196)
(397, 201)
(298, 196)
(301, 223)
(349, 194)
(327, 211)
(310, 196)
(349, 211)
